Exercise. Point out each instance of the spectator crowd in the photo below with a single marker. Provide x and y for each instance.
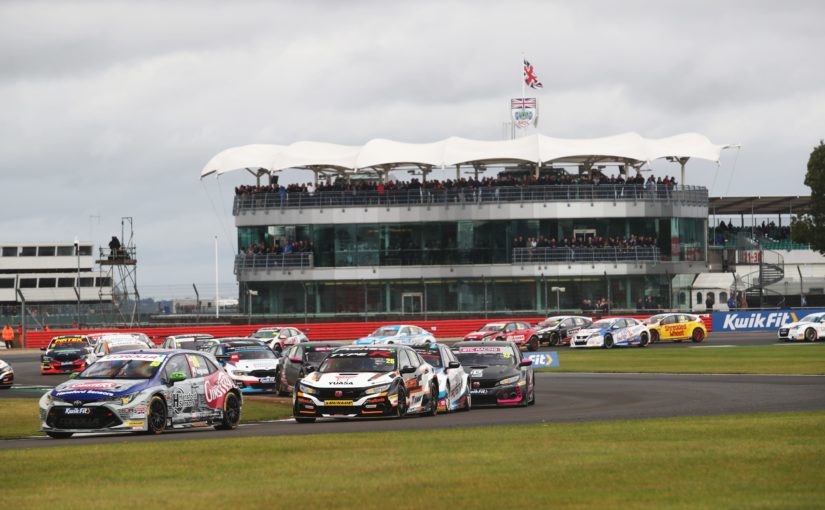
(582, 242)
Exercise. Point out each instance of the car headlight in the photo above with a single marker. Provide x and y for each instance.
(377, 389)
(122, 399)
(49, 399)
(307, 389)
(509, 380)
(240, 372)
(45, 359)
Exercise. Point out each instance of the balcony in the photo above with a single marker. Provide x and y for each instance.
(251, 262)
(686, 195)
(582, 255)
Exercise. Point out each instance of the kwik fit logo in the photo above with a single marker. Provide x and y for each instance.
(757, 320)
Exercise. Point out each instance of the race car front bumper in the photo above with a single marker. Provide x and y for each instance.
(310, 406)
(791, 333)
(592, 341)
(63, 367)
(7, 377)
(251, 384)
(102, 416)
(507, 395)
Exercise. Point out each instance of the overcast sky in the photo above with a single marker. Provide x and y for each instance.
(111, 109)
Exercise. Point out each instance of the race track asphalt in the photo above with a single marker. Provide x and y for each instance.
(561, 397)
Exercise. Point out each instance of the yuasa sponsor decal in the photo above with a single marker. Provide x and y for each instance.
(215, 388)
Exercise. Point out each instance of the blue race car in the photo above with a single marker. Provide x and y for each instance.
(143, 391)
(452, 381)
(618, 331)
(400, 334)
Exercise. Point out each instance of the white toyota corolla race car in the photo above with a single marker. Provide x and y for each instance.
(363, 381)
(810, 328)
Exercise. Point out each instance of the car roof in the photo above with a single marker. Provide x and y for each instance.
(482, 343)
(377, 347)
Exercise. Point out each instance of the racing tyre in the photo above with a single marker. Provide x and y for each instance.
(608, 342)
(60, 435)
(810, 335)
(433, 409)
(644, 340)
(304, 419)
(533, 343)
(402, 403)
(554, 339)
(697, 336)
(231, 412)
(532, 400)
(654, 336)
(157, 414)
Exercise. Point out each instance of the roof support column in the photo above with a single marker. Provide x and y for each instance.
(682, 163)
(457, 172)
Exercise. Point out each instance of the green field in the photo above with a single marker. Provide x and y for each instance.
(19, 417)
(742, 461)
(792, 359)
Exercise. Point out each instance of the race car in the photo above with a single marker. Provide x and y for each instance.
(6, 375)
(520, 333)
(149, 390)
(364, 381)
(399, 334)
(94, 338)
(110, 343)
(252, 365)
(810, 328)
(499, 375)
(300, 360)
(561, 329)
(280, 338)
(192, 342)
(453, 383)
(65, 354)
(607, 333)
(676, 326)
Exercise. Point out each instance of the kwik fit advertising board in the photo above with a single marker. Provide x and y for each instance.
(757, 320)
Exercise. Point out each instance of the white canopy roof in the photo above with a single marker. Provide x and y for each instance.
(389, 154)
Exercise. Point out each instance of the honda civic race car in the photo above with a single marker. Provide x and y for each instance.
(453, 381)
(520, 333)
(358, 381)
(561, 329)
(810, 328)
(607, 333)
(300, 360)
(400, 334)
(192, 342)
(6, 375)
(499, 375)
(149, 390)
(252, 365)
(280, 338)
(676, 326)
(65, 354)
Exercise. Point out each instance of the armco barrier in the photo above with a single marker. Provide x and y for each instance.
(758, 320)
(315, 331)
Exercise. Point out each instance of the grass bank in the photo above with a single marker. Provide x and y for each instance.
(19, 417)
(791, 359)
(763, 460)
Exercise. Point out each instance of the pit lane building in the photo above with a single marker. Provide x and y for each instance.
(397, 247)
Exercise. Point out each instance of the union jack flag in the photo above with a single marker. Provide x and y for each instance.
(523, 102)
(530, 78)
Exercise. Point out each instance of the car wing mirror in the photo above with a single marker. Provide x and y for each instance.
(295, 360)
(407, 369)
(309, 369)
(42, 348)
(176, 377)
(525, 363)
(453, 364)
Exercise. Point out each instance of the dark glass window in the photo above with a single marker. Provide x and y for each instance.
(28, 251)
(28, 283)
(65, 282)
(48, 283)
(6, 283)
(65, 251)
(9, 251)
(45, 251)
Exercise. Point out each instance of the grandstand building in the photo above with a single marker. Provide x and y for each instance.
(531, 225)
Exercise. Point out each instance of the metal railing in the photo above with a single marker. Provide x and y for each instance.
(584, 255)
(249, 262)
(689, 195)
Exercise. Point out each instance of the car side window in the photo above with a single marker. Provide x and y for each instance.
(509, 327)
(198, 365)
(670, 319)
(403, 359)
(177, 364)
(415, 361)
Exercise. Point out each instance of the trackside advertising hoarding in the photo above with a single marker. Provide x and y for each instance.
(758, 320)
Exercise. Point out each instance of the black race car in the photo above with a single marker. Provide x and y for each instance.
(499, 375)
(561, 329)
(300, 360)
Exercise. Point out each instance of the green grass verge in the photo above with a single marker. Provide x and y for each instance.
(740, 461)
(801, 359)
(20, 416)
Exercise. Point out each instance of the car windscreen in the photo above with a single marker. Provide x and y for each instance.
(493, 327)
(266, 334)
(359, 361)
(122, 369)
(549, 323)
(811, 317)
(317, 356)
(385, 331)
(186, 344)
(485, 355)
(654, 319)
(253, 354)
(601, 325)
(69, 344)
(126, 347)
(431, 357)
